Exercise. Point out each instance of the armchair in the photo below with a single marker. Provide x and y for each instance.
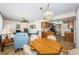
(20, 39)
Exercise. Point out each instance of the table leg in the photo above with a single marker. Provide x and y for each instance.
(2, 46)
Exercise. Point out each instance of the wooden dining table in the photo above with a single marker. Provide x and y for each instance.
(45, 46)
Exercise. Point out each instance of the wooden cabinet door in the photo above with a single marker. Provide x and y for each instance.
(69, 36)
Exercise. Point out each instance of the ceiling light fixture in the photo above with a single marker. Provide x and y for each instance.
(47, 12)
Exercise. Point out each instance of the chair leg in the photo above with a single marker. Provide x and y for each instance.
(2, 46)
(16, 50)
(21, 48)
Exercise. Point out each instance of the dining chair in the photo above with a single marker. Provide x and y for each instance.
(27, 50)
(33, 37)
(52, 37)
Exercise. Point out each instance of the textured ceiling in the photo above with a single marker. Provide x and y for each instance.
(32, 11)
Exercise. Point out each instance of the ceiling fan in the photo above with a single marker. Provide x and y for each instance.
(24, 20)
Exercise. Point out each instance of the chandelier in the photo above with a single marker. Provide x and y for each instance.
(47, 12)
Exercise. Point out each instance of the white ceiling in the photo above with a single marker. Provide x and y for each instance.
(32, 11)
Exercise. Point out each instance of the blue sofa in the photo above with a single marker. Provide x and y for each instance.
(20, 39)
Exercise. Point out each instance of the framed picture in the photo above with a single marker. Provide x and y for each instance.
(17, 26)
(32, 26)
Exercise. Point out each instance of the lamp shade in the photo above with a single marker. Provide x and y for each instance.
(48, 13)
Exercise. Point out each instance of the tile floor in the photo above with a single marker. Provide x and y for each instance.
(9, 50)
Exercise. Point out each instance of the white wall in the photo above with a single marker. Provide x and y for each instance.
(77, 29)
(58, 29)
(38, 26)
(11, 24)
(64, 28)
(24, 25)
(1, 23)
